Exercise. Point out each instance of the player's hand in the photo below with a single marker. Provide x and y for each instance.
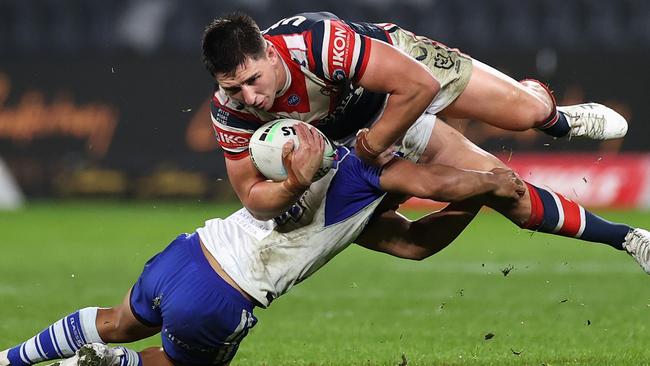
(368, 153)
(507, 184)
(302, 162)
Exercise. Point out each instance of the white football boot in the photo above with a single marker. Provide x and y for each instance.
(95, 354)
(4, 361)
(594, 121)
(637, 243)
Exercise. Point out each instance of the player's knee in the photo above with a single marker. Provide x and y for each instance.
(539, 104)
(108, 324)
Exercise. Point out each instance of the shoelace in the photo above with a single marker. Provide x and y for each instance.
(643, 244)
(593, 124)
(641, 247)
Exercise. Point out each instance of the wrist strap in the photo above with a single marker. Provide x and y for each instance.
(364, 147)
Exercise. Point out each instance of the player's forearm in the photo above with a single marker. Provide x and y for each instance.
(402, 110)
(435, 181)
(455, 185)
(393, 234)
(267, 200)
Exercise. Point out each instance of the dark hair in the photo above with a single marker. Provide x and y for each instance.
(229, 41)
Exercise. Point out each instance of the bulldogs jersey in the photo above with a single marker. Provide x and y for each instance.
(324, 57)
(267, 258)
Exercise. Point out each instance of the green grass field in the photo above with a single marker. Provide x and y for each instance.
(563, 303)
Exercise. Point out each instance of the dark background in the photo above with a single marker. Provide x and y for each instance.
(137, 64)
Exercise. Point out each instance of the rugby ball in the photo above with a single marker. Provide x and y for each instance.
(265, 149)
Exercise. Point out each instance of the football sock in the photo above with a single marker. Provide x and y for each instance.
(60, 340)
(130, 357)
(553, 213)
(557, 125)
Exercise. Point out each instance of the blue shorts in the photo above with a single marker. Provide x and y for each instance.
(202, 317)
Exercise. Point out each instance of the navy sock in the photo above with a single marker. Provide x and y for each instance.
(553, 213)
(557, 126)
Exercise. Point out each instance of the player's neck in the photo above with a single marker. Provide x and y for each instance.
(283, 77)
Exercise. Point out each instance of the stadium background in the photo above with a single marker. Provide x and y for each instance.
(110, 97)
(104, 126)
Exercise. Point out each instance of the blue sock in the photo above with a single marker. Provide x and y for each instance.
(60, 340)
(556, 126)
(553, 213)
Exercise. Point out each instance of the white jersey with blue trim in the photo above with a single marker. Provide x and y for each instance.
(267, 258)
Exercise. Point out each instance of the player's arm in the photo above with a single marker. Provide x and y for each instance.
(411, 88)
(394, 234)
(449, 184)
(266, 199)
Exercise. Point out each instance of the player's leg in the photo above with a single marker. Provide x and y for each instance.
(66, 336)
(59, 340)
(553, 213)
(97, 354)
(472, 89)
(495, 98)
(204, 331)
(539, 209)
(119, 325)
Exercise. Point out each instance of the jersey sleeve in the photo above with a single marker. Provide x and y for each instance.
(232, 128)
(337, 52)
(354, 187)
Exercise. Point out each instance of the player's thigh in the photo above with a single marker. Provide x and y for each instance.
(118, 324)
(495, 98)
(155, 356)
(449, 147)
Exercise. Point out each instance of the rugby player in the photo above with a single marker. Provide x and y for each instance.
(201, 290)
(341, 76)
(344, 77)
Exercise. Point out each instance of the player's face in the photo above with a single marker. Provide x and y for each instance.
(256, 82)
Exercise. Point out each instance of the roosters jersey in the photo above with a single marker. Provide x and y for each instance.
(267, 258)
(324, 57)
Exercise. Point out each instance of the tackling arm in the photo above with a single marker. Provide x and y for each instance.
(448, 184)
(394, 234)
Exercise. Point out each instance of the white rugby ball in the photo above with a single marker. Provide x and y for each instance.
(265, 149)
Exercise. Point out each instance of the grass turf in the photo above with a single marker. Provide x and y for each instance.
(562, 303)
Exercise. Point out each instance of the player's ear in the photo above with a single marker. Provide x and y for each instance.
(271, 52)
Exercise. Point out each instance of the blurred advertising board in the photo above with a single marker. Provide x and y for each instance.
(617, 181)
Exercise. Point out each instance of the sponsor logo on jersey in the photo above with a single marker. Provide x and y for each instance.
(231, 139)
(293, 99)
(339, 45)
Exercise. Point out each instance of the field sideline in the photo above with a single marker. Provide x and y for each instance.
(562, 302)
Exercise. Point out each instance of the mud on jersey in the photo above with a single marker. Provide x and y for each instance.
(324, 57)
(267, 258)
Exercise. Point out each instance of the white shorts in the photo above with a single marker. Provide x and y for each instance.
(417, 137)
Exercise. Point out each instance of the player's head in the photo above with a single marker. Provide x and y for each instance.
(244, 64)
